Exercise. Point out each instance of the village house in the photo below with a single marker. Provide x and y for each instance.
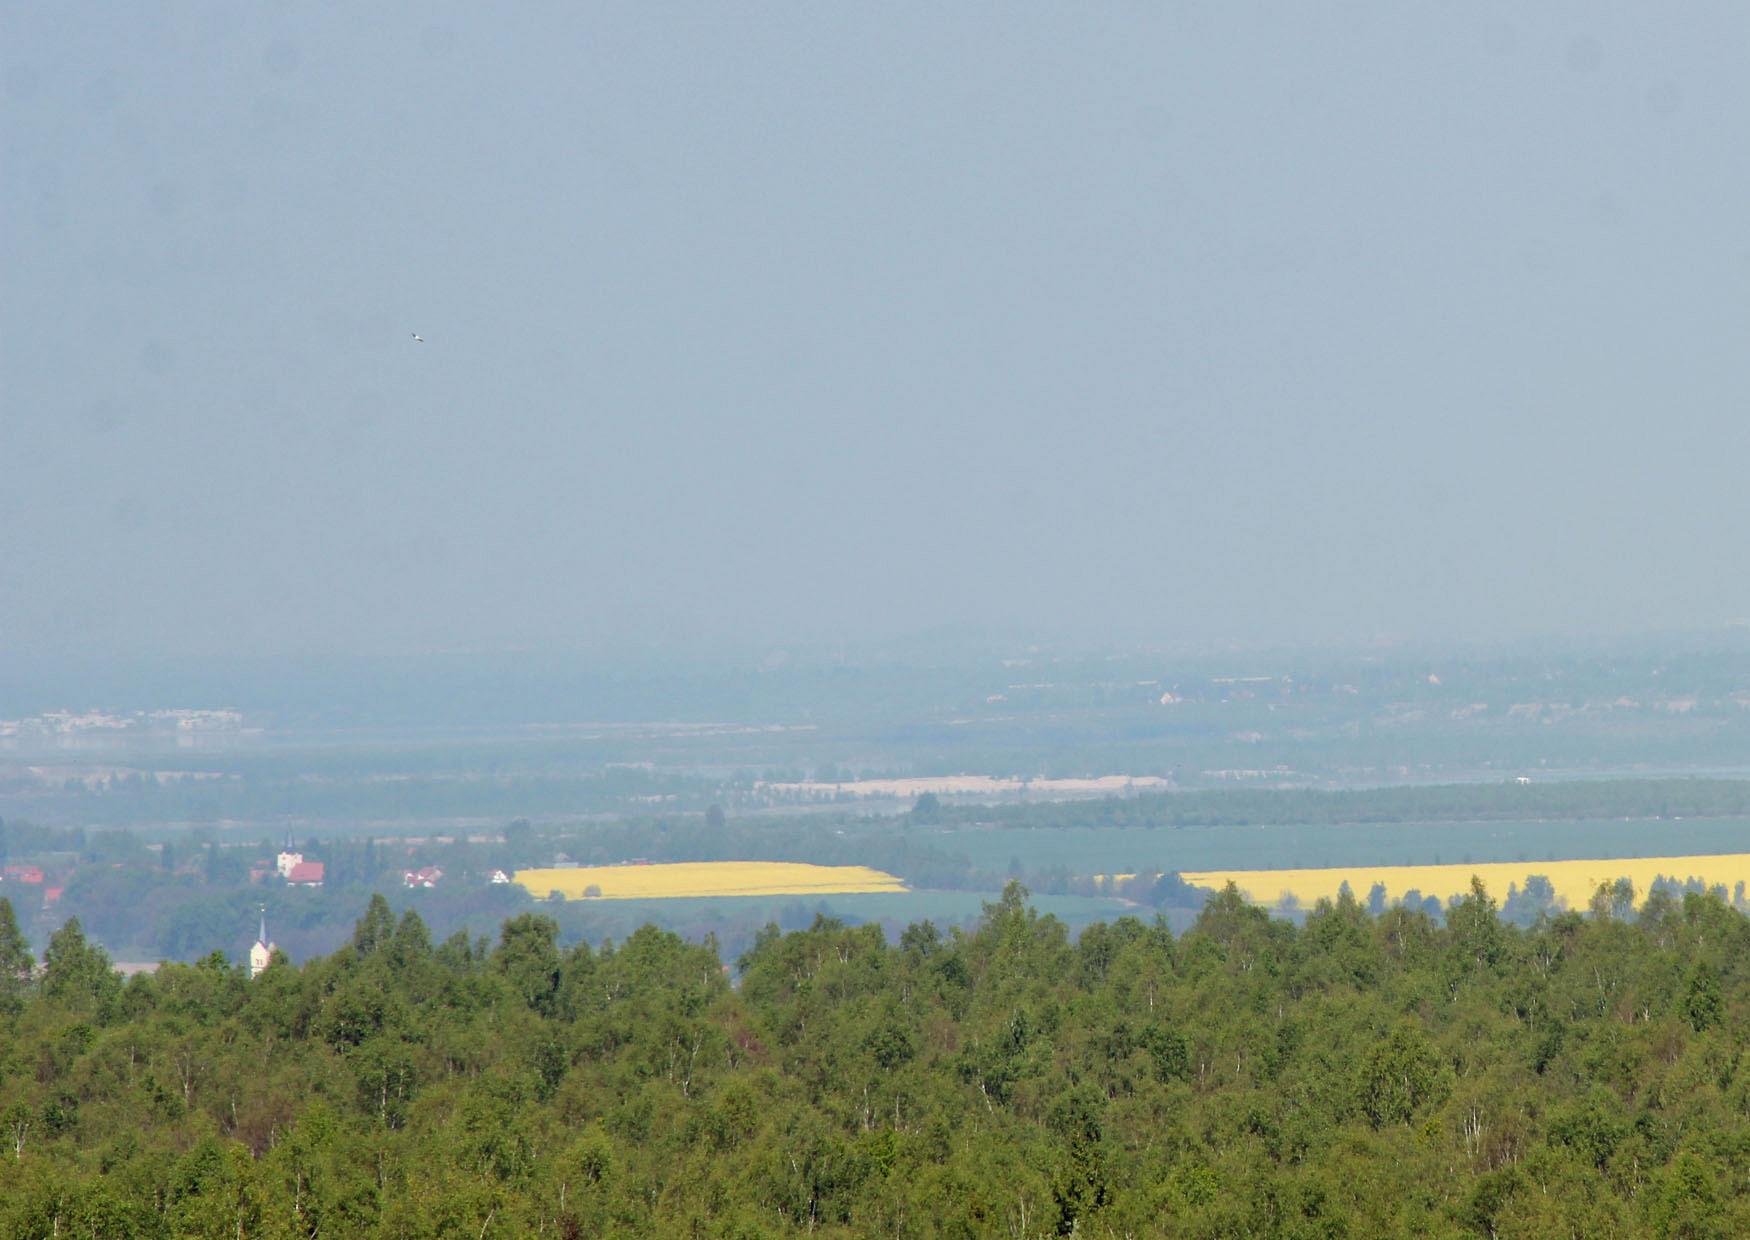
(426, 876)
(295, 870)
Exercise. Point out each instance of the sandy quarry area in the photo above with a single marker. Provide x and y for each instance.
(973, 786)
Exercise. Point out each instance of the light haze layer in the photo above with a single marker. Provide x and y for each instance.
(1180, 321)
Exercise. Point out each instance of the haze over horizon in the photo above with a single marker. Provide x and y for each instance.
(1199, 323)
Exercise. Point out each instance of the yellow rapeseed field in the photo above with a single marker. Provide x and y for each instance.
(1574, 881)
(704, 878)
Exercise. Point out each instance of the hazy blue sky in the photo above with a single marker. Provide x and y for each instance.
(758, 322)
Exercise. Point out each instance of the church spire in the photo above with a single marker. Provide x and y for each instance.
(262, 952)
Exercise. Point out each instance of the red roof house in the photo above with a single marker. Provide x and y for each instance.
(305, 874)
(23, 873)
(426, 876)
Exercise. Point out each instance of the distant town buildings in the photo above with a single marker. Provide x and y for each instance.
(426, 876)
(33, 876)
(70, 728)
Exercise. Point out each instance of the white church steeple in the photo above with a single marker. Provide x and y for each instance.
(262, 952)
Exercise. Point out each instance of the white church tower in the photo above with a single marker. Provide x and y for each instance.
(262, 952)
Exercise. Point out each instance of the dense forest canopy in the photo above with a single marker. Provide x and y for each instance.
(1355, 1076)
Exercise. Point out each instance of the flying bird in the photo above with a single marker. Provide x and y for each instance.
(419, 338)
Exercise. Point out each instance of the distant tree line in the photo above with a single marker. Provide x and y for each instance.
(1471, 802)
